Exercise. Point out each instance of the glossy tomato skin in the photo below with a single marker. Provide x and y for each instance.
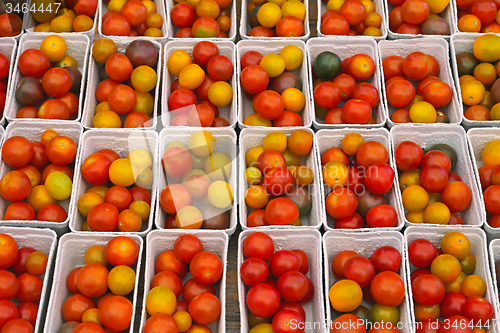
(479, 310)
(341, 203)
(186, 247)
(254, 271)
(254, 79)
(278, 181)
(263, 300)
(8, 312)
(292, 286)
(433, 178)
(418, 272)
(34, 63)
(205, 308)
(283, 261)
(381, 216)
(360, 270)
(220, 68)
(379, 178)
(453, 304)
(387, 288)
(268, 104)
(457, 324)
(421, 253)
(386, 258)
(183, 15)
(17, 326)
(355, 221)
(408, 155)
(428, 289)
(95, 169)
(356, 111)
(281, 211)
(8, 251)
(327, 95)
(288, 321)
(436, 157)
(258, 245)
(457, 196)
(193, 288)
(206, 267)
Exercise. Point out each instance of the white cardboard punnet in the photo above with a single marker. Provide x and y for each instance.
(226, 48)
(307, 240)
(43, 240)
(78, 47)
(70, 255)
(252, 137)
(93, 81)
(265, 47)
(326, 139)
(122, 142)
(8, 47)
(436, 47)
(32, 130)
(225, 142)
(494, 254)
(163, 240)
(364, 244)
(479, 249)
(345, 48)
(453, 135)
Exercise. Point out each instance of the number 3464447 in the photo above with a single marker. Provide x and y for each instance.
(24, 8)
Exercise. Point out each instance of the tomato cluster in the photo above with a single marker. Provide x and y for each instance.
(204, 81)
(478, 16)
(42, 176)
(126, 84)
(414, 17)
(202, 19)
(279, 285)
(4, 79)
(443, 285)
(21, 270)
(198, 194)
(124, 205)
(284, 101)
(132, 18)
(278, 191)
(70, 16)
(358, 191)
(375, 280)
(283, 18)
(431, 192)
(351, 18)
(48, 72)
(200, 305)
(479, 83)
(107, 277)
(417, 105)
(337, 81)
(490, 181)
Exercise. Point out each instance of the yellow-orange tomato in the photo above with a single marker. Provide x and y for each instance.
(415, 198)
(456, 244)
(446, 267)
(473, 285)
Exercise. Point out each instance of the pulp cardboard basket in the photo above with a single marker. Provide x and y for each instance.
(346, 48)
(122, 142)
(448, 15)
(494, 254)
(379, 8)
(477, 139)
(245, 26)
(453, 135)
(32, 130)
(253, 137)
(172, 29)
(70, 255)
(8, 47)
(30, 23)
(265, 47)
(226, 48)
(43, 240)
(160, 9)
(459, 43)
(364, 244)
(307, 240)
(479, 249)
(225, 142)
(94, 80)
(436, 47)
(159, 241)
(326, 139)
(78, 47)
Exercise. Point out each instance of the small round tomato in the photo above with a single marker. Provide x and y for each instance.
(281, 211)
(453, 304)
(206, 267)
(359, 269)
(283, 261)
(478, 310)
(457, 196)
(254, 271)
(457, 324)
(378, 178)
(408, 155)
(193, 288)
(382, 216)
(428, 289)
(186, 247)
(341, 203)
(268, 104)
(220, 68)
(327, 95)
(263, 300)
(292, 286)
(183, 15)
(355, 221)
(386, 258)
(436, 157)
(30, 288)
(361, 66)
(371, 152)
(366, 92)
(57, 82)
(421, 253)
(205, 308)
(392, 66)
(400, 93)
(254, 79)
(258, 245)
(250, 58)
(387, 288)
(356, 111)
(287, 321)
(433, 178)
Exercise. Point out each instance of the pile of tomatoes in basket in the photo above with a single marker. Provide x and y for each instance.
(202, 19)
(489, 175)
(337, 81)
(278, 191)
(414, 17)
(278, 285)
(283, 18)
(51, 72)
(201, 87)
(374, 280)
(285, 100)
(21, 270)
(358, 191)
(70, 16)
(42, 175)
(431, 192)
(478, 16)
(131, 18)
(416, 105)
(4, 79)
(127, 82)
(107, 277)
(200, 305)
(351, 18)
(124, 205)
(444, 286)
(198, 194)
(478, 79)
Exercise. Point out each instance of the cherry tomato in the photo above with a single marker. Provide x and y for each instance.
(428, 289)
(386, 258)
(421, 253)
